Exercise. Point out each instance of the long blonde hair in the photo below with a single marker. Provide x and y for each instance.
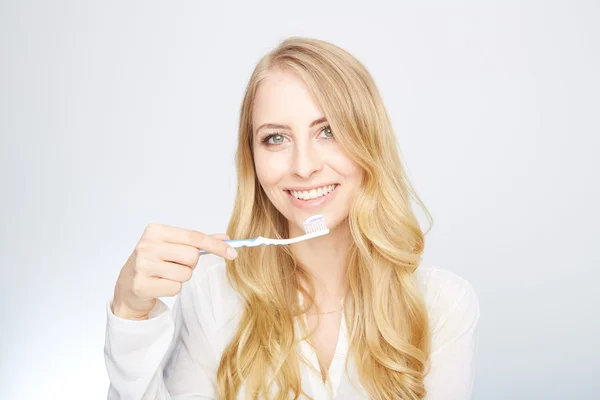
(387, 320)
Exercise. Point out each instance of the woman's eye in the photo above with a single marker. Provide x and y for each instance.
(274, 139)
(327, 131)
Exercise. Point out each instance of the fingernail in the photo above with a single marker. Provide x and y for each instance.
(231, 253)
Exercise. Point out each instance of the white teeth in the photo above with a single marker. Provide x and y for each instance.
(313, 193)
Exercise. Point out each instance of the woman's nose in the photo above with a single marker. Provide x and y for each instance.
(306, 161)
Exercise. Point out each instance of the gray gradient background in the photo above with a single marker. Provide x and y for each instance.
(117, 114)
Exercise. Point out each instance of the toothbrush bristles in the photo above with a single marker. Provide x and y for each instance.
(314, 224)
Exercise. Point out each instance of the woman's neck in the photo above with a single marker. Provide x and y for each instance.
(326, 260)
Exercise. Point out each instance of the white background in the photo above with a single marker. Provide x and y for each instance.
(117, 114)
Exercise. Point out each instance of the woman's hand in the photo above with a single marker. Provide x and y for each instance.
(163, 259)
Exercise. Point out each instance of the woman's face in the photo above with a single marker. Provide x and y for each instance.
(299, 164)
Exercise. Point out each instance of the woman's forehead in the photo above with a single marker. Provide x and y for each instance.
(283, 98)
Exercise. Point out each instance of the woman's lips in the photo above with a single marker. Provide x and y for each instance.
(313, 203)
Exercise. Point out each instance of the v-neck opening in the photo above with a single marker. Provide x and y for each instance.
(336, 350)
(326, 388)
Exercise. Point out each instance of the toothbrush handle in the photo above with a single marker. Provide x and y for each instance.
(234, 243)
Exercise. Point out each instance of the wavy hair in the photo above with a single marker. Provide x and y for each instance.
(386, 317)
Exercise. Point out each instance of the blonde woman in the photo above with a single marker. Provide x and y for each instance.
(348, 315)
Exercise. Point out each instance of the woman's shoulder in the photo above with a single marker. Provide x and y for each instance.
(447, 294)
(210, 269)
(214, 295)
(441, 288)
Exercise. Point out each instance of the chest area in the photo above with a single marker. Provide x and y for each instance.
(324, 336)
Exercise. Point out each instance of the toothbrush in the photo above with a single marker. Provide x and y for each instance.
(313, 227)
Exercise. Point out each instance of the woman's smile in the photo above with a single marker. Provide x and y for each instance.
(312, 198)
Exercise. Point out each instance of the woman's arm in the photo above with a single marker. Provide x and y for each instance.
(168, 356)
(454, 344)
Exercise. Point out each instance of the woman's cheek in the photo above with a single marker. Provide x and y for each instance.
(270, 168)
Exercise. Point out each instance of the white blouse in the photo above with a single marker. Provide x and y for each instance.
(175, 353)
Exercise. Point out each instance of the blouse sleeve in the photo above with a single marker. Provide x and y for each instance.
(167, 357)
(454, 343)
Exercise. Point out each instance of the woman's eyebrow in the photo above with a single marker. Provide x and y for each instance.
(280, 126)
(317, 122)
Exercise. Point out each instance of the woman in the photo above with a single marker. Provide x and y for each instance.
(346, 315)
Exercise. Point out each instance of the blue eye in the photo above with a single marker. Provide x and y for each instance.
(273, 139)
(328, 132)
